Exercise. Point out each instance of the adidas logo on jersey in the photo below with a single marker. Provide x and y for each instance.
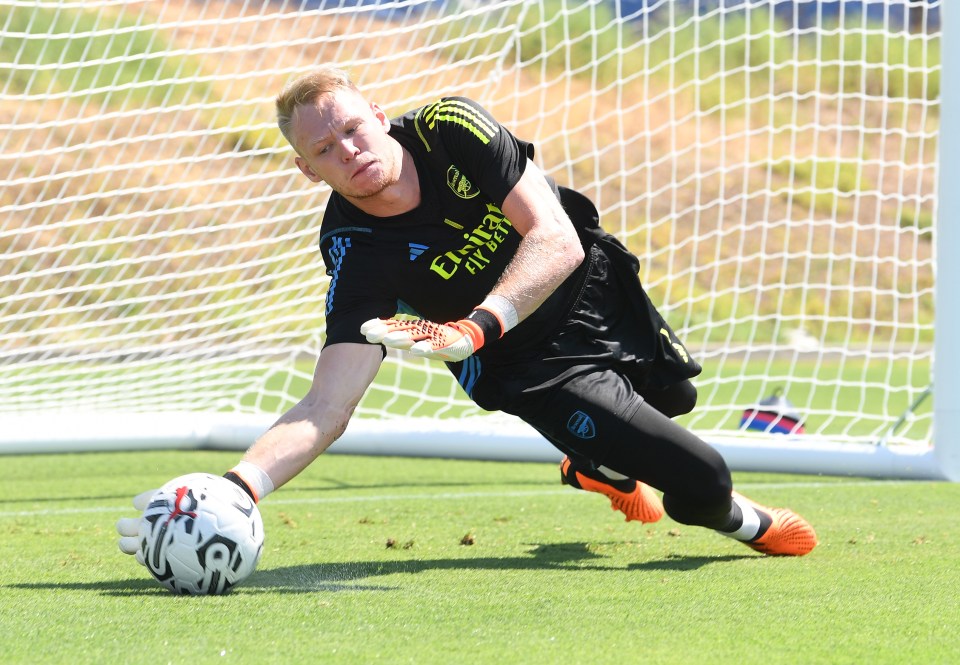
(416, 250)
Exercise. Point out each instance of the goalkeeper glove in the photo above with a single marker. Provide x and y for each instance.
(449, 342)
(129, 527)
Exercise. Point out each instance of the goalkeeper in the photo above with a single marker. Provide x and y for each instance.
(442, 215)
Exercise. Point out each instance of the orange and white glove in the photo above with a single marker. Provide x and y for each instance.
(449, 342)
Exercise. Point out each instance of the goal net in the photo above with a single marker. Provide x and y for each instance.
(774, 165)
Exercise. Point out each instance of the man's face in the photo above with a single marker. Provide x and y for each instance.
(342, 140)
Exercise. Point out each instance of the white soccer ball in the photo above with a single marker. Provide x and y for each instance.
(201, 534)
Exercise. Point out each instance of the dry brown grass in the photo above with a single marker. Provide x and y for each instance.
(707, 200)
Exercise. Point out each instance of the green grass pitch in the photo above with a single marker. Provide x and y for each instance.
(399, 560)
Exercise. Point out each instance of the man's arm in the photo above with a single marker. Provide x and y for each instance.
(548, 253)
(550, 250)
(343, 374)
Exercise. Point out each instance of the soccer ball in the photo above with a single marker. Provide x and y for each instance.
(201, 534)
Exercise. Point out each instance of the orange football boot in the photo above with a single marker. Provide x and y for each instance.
(788, 535)
(634, 499)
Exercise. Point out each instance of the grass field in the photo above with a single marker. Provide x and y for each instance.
(369, 560)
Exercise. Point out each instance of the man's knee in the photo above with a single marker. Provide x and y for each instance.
(675, 400)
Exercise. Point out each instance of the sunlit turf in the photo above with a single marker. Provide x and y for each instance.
(439, 561)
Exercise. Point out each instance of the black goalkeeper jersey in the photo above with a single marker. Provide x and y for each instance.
(441, 259)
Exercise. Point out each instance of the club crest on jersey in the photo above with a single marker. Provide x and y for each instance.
(459, 184)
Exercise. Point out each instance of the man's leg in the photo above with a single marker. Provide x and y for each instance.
(633, 498)
(672, 401)
(636, 500)
(599, 418)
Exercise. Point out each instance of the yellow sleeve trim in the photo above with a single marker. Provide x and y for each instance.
(458, 113)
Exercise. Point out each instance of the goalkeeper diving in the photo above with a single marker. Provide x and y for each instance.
(444, 239)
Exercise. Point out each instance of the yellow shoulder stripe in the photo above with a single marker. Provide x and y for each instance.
(461, 114)
(424, 113)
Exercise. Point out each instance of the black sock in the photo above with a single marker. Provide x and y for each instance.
(736, 521)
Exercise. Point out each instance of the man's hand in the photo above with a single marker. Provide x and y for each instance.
(449, 342)
(129, 527)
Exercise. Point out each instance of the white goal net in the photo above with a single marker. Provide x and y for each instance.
(773, 164)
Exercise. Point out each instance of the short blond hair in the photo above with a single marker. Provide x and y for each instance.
(306, 90)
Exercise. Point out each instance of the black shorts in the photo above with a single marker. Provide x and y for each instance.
(591, 374)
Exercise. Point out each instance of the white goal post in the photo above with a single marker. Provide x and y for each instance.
(780, 168)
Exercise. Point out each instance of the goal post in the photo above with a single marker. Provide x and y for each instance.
(946, 442)
(780, 169)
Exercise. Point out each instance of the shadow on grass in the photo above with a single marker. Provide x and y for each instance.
(345, 576)
(679, 562)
